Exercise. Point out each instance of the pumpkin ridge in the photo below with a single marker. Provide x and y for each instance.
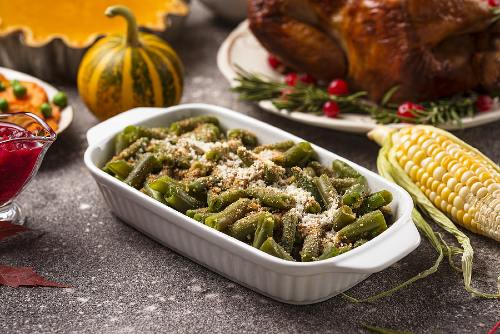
(172, 56)
(169, 90)
(94, 78)
(141, 80)
(109, 86)
(176, 78)
(127, 93)
(154, 77)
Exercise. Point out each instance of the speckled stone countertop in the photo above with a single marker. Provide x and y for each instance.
(124, 282)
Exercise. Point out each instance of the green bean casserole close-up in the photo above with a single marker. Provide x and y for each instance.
(275, 197)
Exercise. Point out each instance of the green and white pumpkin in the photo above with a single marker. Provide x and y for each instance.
(122, 72)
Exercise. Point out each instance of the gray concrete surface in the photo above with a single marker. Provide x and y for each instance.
(123, 282)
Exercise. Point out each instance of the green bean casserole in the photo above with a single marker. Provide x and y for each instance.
(276, 197)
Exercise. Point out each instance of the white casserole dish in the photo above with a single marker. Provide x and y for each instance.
(289, 282)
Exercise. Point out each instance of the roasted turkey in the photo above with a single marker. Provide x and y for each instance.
(429, 48)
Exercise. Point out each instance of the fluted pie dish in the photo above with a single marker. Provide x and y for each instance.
(51, 45)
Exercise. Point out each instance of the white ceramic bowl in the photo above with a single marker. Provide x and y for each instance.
(286, 281)
(232, 10)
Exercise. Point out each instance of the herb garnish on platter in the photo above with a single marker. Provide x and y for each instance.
(309, 98)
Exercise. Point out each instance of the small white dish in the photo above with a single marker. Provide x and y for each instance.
(286, 281)
(66, 113)
(242, 49)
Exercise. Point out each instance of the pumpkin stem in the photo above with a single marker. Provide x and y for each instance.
(132, 30)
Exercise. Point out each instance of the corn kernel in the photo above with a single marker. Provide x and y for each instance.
(438, 173)
(458, 203)
(440, 187)
(418, 157)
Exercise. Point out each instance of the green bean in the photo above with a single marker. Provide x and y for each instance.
(353, 196)
(341, 218)
(327, 191)
(319, 169)
(306, 182)
(244, 229)
(192, 212)
(312, 206)
(207, 132)
(272, 198)
(153, 194)
(264, 230)
(119, 168)
(290, 222)
(248, 139)
(237, 210)
(164, 184)
(343, 184)
(201, 216)
(155, 133)
(218, 152)
(310, 248)
(126, 137)
(298, 155)
(219, 202)
(343, 170)
(272, 173)
(333, 251)
(273, 248)
(200, 169)
(189, 124)
(246, 156)
(375, 201)
(279, 146)
(132, 133)
(181, 201)
(309, 171)
(199, 187)
(365, 227)
(147, 164)
(128, 152)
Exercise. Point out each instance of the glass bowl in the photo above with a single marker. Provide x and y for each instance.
(24, 139)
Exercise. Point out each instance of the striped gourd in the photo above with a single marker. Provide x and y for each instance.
(123, 72)
(449, 181)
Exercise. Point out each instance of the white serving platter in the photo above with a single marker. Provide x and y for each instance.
(286, 281)
(242, 49)
(66, 113)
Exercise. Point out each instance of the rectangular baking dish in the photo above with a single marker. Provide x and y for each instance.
(285, 281)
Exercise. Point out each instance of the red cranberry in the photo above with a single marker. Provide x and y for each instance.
(291, 79)
(273, 61)
(405, 109)
(331, 109)
(493, 3)
(307, 79)
(338, 87)
(484, 103)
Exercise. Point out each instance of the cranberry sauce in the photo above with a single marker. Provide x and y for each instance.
(17, 160)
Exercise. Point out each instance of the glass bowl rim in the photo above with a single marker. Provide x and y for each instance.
(51, 137)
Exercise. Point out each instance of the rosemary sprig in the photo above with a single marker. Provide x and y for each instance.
(310, 99)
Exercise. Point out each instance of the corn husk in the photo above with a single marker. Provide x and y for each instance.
(389, 168)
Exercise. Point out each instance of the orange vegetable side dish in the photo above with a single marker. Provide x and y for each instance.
(30, 101)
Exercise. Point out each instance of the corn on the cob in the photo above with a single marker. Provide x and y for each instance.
(456, 178)
(448, 180)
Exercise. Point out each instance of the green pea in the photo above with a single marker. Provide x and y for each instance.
(60, 99)
(4, 105)
(46, 110)
(19, 91)
(2, 86)
(15, 83)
